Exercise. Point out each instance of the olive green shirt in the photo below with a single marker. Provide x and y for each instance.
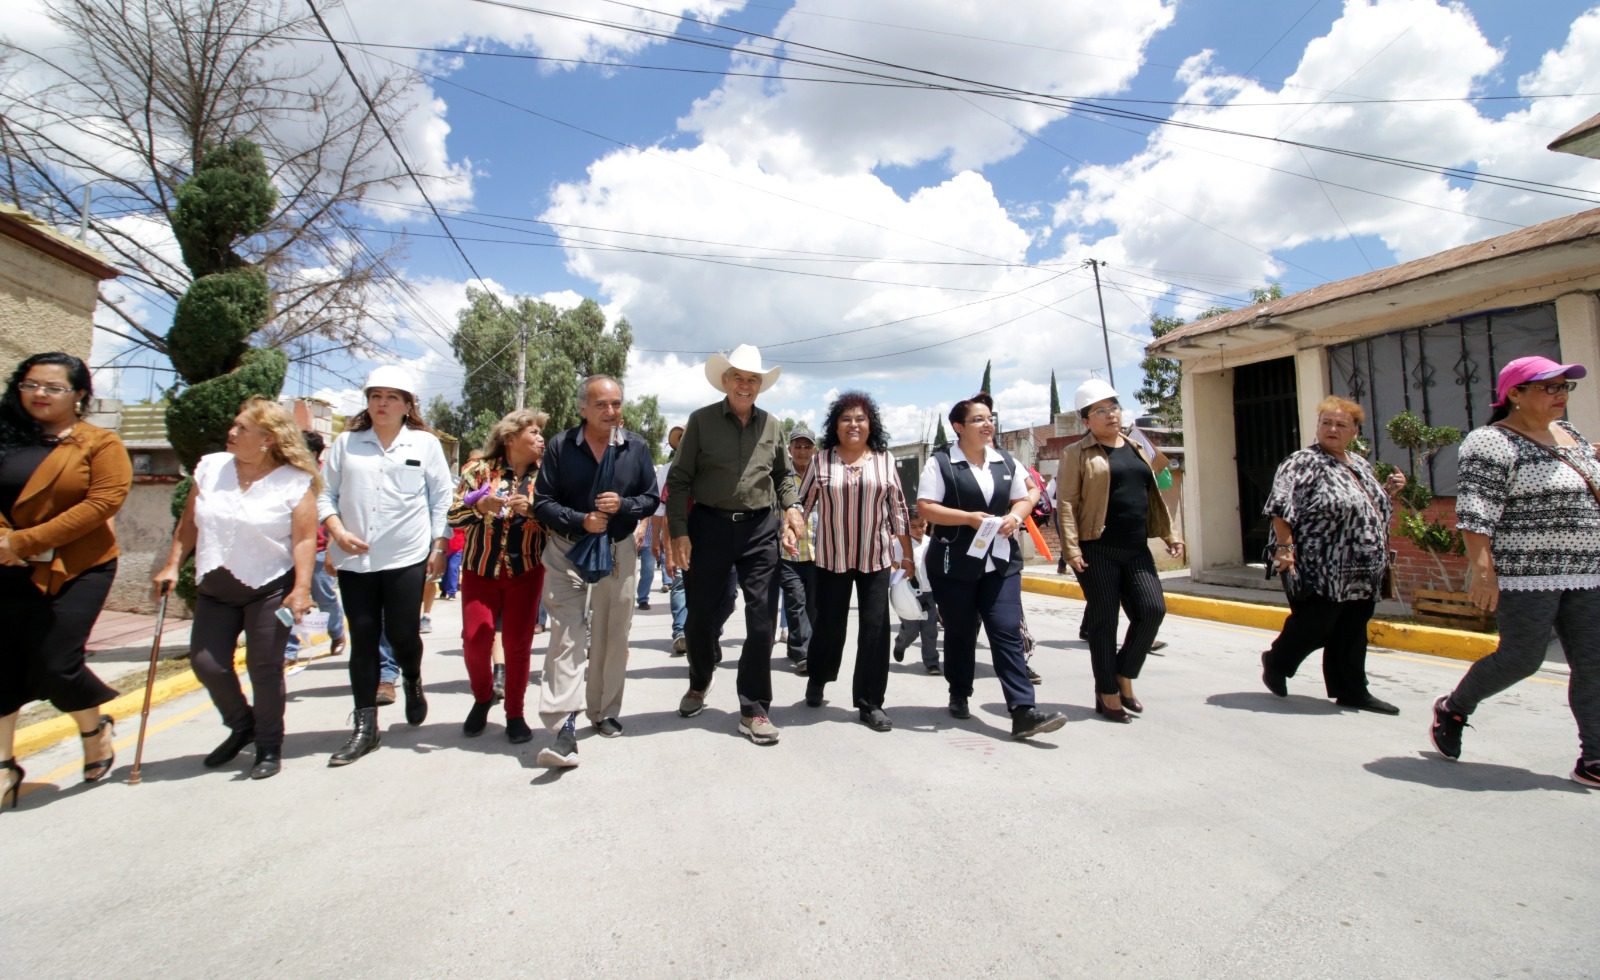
(729, 466)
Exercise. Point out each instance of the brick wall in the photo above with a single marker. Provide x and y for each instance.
(1415, 568)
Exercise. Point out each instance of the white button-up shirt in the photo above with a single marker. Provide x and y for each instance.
(394, 499)
(930, 486)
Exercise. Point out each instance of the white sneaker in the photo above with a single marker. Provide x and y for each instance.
(427, 625)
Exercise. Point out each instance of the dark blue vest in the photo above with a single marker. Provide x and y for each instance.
(947, 551)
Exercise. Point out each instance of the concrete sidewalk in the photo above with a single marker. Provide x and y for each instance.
(1227, 833)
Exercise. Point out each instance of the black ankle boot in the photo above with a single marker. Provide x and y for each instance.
(416, 704)
(363, 740)
(230, 747)
(269, 759)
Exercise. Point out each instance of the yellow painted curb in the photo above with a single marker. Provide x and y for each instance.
(43, 734)
(1456, 644)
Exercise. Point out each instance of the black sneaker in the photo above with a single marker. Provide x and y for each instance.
(517, 730)
(1030, 721)
(1587, 772)
(935, 669)
(958, 708)
(477, 719)
(1275, 681)
(563, 754)
(1446, 728)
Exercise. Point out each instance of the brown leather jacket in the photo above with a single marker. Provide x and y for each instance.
(68, 504)
(1083, 491)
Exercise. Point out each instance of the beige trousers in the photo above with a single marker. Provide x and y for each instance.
(602, 648)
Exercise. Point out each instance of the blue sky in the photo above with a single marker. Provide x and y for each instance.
(921, 233)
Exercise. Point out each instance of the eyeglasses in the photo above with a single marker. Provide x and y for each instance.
(1104, 411)
(1553, 388)
(979, 420)
(29, 387)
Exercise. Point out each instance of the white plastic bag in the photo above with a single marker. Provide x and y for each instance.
(903, 598)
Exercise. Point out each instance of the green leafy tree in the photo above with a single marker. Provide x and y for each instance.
(644, 417)
(1055, 397)
(940, 439)
(984, 387)
(452, 420)
(563, 348)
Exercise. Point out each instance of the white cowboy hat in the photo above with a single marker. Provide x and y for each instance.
(744, 358)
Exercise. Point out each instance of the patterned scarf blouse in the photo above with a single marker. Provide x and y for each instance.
(1340, 518)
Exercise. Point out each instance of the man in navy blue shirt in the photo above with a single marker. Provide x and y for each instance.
(570, 506)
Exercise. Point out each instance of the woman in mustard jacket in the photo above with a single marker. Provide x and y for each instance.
(61, 480)
(1110, 509)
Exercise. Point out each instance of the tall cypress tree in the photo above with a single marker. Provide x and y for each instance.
(1055, 398)
(985, 386)
(227, 199)
(940, 440)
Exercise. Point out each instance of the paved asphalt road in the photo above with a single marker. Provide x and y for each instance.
(1227, 833)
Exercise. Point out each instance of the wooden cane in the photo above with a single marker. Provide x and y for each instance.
(149, 684)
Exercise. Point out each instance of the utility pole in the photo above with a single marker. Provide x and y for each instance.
(522, 364)
(1105, 334)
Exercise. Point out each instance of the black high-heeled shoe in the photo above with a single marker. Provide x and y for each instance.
(1111, 714)
(95, 771)
(15, 789)
(1133, 704)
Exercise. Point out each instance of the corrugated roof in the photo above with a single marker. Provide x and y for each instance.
(1582, 139)
(1585, 224)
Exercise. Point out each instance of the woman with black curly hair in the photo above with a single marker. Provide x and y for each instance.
(61, 481)
(853, 487)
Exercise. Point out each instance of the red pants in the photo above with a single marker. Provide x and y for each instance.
(516, 602)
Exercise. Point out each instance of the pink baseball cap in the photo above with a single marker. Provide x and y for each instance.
(1535, 368)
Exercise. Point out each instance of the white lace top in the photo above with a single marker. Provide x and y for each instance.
(244, 531)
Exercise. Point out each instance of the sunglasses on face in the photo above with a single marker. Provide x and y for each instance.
(1553, 388)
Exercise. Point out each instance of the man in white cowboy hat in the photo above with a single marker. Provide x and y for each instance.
(734, 466)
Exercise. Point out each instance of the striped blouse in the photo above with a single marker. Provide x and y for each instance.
(860, 509)
(497, 547)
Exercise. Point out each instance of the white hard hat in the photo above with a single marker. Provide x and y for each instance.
(391, 376)
(1091, 391)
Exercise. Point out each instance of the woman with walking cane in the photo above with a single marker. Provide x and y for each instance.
(61, 481)
(251, 520)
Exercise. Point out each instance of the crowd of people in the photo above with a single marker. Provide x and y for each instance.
(573, 526)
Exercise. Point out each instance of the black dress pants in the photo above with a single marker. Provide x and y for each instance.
(750, 548)
(799, 583)
(1340, 629)
(870, 680)
(389, 601)
(993, 601)
(1119, 578)
(44, 657)
(224, 608)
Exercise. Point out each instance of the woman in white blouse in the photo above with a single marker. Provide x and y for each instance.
(251, 521)
(385, 498)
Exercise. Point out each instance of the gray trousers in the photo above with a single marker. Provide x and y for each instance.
(224, 608)
(925, 629)
(585, 668)
(1526, 619)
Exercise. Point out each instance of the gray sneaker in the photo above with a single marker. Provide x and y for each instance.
(563, 754)
(758, 729)
(680, 645)
(609, 727)
(426, 625)
(693, 703)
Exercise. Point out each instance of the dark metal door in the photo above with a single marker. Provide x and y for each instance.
(1266, 428)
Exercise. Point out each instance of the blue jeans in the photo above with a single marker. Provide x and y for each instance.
(647, 570)
(679, 601)
(324, 594)
(388, 667)
(451, 582)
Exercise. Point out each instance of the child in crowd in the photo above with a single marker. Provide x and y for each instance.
(928, 626)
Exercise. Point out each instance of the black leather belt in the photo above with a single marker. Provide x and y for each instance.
(736, 516)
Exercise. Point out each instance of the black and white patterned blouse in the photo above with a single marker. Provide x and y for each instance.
(1541, 519)
(1340, 518)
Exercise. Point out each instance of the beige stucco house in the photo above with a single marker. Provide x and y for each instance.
(1428, 335)
(48, 289)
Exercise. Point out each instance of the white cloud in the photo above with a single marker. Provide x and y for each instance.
(784, 123)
